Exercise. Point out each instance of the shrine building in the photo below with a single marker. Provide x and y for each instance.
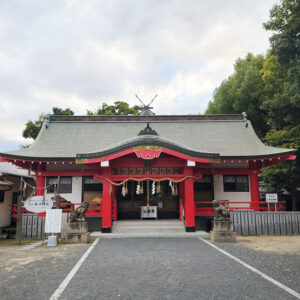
(159, 166)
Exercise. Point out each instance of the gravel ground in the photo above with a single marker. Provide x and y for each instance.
(37, 273)
(147, 268)
(284, 267)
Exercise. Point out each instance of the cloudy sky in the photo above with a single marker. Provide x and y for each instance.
(79, 54)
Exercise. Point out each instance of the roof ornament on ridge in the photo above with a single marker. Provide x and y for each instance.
(245, 119)
(148, 131)
(146, 109)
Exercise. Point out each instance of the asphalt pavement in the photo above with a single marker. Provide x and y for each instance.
(165, 268)
(151, 268)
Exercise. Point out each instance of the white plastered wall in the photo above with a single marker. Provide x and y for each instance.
(5, 207)
(5, 212)
(231, 196)
(75, 196)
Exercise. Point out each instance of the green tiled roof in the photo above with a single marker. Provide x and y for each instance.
(66, 137)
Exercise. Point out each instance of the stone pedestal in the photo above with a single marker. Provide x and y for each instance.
(76, 232)
(223, 232)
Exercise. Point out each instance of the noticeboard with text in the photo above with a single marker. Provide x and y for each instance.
(271, 198)
(53, 221)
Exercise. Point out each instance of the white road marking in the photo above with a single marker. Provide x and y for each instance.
(69, 277)
(263, 275)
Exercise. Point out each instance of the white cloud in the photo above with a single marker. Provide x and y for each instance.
(78, 54)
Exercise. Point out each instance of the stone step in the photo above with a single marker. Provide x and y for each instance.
(197, 234)
(148, 227)
(147, 230)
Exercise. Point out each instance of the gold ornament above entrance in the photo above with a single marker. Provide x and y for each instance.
(148, 152)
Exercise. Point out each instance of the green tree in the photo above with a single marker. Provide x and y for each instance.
(268, 89)
(284, 21)
(243, 91)
(287, 174)
(32, 128)
(119, 108)
(281, 76)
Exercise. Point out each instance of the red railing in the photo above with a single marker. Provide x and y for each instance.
(206, 209)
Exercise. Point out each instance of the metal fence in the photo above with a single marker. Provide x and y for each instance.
(250, 222)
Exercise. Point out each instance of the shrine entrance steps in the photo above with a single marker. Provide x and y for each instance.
(149, 228)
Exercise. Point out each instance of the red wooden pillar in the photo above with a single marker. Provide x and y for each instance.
(40, 181)
(106, 202)
(254, 191)
(189, 204)
(181, 201)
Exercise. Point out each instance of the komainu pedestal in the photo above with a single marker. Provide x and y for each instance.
(77, 232)
(222, 231)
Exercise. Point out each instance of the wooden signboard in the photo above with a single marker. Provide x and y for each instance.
(24, 225)
(276, 223)
(251, 220)
(270, 223)
(282, 220)
(237, 222)
(244, 221)
(289, 229)
(34, 225)
(258, 223)
(29, 225)
(264, 223)
(295, 222)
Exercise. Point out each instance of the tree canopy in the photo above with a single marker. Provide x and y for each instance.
(243, 91)
(119, 108)
(267, 88)
(32, 128)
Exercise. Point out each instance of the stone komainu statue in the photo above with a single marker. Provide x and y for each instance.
(78, 214)
(221, 212)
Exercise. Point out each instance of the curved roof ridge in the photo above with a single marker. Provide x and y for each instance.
(154, 140)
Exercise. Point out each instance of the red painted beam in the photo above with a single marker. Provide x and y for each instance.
(69, 173)
(225, 171)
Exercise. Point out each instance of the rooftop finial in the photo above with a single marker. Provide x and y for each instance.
(146, 109)
(148, 130)
(245, 118)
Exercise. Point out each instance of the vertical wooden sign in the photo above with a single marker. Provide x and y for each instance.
(258, 223)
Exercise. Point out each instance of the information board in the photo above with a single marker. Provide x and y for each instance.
(271, 198)
(53, 220)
